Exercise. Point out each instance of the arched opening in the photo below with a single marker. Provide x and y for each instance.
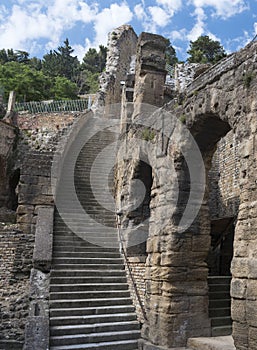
(218, 148)
(142, 174)
(13, 195)
(224, 204)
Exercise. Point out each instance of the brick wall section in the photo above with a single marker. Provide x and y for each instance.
(16, 260)
(224, 178)
(138, 271)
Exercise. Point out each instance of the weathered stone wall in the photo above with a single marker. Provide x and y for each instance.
(16, 261)
(176, 298)
(121, 49)
(8, 137)
(224, 178)
(23, 246)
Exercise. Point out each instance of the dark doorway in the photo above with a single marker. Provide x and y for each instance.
(219, 262)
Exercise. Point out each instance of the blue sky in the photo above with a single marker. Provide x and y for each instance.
(39, 26)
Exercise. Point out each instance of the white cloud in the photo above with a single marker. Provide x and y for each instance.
(140, 12)
(199, 27)
(30, 21)
(176, 35)
(110, 18)
(170, 6)
(223, 8)
(159, 16)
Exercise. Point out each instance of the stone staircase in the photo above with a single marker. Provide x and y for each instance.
(220, 305)
(90, 304)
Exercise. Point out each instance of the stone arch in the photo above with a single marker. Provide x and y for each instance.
(177, 300)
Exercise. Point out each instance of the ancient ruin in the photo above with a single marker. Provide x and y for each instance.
(169, 161)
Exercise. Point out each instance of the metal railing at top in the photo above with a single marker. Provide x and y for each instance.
(54, 106)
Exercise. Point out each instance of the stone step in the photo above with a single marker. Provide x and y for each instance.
(221, 331)
(94, 337)
(89, 294)
(219, 280)
(87, 287)
(85, 254)
(84, 243)
(87, 273)
(87, 261)
(89, 248)
(219, 312)
(219, 303)
(113, 345)
(93, 311)
(219, 288)
(221, 321)
(91, 319)
(88, 266)
(84, 303)
(89, 280)
(94, 328)
(219, 295)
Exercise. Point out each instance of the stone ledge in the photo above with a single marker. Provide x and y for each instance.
(145, 345)
(213, 343)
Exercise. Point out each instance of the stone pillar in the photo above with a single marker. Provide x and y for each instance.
(244, 264)
(150, 71)
(176, 273)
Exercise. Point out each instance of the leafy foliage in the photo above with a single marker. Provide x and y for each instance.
(205, 50)
(170, 54)
(29, 84)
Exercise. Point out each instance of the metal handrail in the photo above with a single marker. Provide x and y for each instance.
(119, 214)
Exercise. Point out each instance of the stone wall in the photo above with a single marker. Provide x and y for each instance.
(224, 178)
(219, 100)
(121, 50)
(36, 142)
(8, 136)
(137, 268)
(16, 261)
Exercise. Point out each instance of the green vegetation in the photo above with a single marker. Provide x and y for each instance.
(59, 75)
(183, 118)
(205, 50)
(148, 134)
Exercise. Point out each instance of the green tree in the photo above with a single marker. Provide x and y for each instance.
(61, 62)
(95, 61)
(170, 54)
(205, 50)
(29, 84)
(63, 88)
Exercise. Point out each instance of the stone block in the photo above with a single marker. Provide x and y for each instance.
(37, 333)
(251, 292)
(240, 335)
(251, 315)
(253, 337)
(238, 310)
(42, 255)
(238, 288)
(253, 268)
(39, 284)
(240, 267)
